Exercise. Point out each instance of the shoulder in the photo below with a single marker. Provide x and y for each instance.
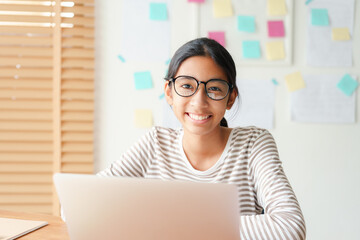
(249, 132)
(161, 134)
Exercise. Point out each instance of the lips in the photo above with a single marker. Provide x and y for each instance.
(198, 117)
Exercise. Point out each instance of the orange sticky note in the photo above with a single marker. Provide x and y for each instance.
(222, 8)
(294, 81)
(275, 50)
(340, 34)
(143, 118)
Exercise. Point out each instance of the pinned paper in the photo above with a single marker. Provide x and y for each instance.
(143, 80)
(246, 24)
(275, 50)
(251, 49)
(274, 81)
(158, 11)
(121, 58)
(294, 81)
(276, 28)
(222, 8)
(143, 118)
(218, 36)
(319, 17)
(276, 7)
(347, 85)
(196, 1)
(308, 1)
(340, 34)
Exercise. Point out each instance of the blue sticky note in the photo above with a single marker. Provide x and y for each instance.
(168, 61)
(319, 17)
(274, 81)
(347, 84)
(308, 1)
(162, 96)
(246, 24)
(121, 58)
(251, 49)
(158, 11)
(143, 80)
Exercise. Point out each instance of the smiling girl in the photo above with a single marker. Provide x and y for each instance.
(200, 86)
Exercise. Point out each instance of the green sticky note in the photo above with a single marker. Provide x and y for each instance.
(319, 17)
(246, 24)
(251, 49)
(143, 80)
(158, 11)
(347, 84)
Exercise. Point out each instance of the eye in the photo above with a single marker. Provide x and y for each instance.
(187, 86)
(214, 89)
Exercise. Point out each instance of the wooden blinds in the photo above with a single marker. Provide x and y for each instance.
(46, 98)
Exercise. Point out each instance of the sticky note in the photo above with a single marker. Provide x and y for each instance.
(218, 36)
(275, 50)
(143, 80)
(251, 49)
(158, 11)
(276, 7)
(222, 8)
(274, 81)
(294, 81)
(347, 84)
(143, 118)
(319, 17)
(246, 24)
(308, 1)
(276, 28)
(167, 62)
(196, 1)
(121, 58)
(340, 34)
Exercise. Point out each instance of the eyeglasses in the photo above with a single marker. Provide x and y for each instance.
(186, 86)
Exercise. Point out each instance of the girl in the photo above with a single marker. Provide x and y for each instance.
(200, 86)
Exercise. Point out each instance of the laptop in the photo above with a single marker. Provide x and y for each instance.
(137, 209)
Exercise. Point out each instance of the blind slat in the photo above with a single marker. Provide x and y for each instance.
(75, 105)
(25, 105)
(25, 147)
(77, 73)
(25, 8)
(25, 115)
(77, 126)
(26, 61)
(26, 83)
(25, 198)
(82, 95)
(79, 9)
(25, 178)
(78, 42)
(77, 147)
(84, 21)
(76, 63)
(77, 84)
(25, 94)
(26, 51)
(25, 188)
(76, 157)
(77, 53)
(77, 137)
(11, 136)
(25, 19)
(78, 31)
(78, 167)
(25, 157)
(25, 40)
(77, 116)
(25, 167)
(26, 72)
(25, 30)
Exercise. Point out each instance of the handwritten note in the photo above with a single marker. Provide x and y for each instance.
(251, 49)
(347, 84)
(218, 36)
(294, 81)
(319, 17)
(143, 80)
(158, 11)
(275, 50)
(340, 34)
(143, 118)
(222, 8)
(246, 24)
(276, 7)
(276, 28)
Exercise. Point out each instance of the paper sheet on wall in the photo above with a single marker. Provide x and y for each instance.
(322, 102)
(322, 50)
(144, 39)
(256, 107)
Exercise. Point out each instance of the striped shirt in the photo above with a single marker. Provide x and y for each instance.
(250, 160)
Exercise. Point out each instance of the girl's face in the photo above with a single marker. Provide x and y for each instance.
(198, 113)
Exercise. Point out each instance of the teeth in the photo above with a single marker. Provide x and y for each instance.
(198, 117)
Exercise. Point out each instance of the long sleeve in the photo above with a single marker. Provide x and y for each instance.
(282, 218)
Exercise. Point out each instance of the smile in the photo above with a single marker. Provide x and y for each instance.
(198, 117)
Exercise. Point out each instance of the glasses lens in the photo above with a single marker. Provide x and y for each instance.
(217, 89)
(185, 86)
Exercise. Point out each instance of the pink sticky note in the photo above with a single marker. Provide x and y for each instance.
(218, 36)
(196, 1)
(276, 28)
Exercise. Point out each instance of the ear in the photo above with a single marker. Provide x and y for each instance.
(168, 93)
(231, 99)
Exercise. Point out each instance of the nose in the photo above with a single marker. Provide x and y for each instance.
(200, 98)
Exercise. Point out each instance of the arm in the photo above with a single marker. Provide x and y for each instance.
(282, 218)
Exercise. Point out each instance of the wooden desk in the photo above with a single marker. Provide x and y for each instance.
(55, 230)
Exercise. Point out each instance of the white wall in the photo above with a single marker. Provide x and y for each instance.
(322, 161)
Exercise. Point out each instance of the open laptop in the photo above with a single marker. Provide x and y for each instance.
(137, 209)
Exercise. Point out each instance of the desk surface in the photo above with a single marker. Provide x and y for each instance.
(56, 229)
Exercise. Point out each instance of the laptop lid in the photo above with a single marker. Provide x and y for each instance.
(136, 208)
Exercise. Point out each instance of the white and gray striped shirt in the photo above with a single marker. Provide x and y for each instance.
(250, 160)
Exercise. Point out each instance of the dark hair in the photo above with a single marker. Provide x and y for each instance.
(208, 48)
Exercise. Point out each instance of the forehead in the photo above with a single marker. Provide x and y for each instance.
(202, 68)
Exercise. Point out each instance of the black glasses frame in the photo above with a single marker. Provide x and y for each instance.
(198, 84)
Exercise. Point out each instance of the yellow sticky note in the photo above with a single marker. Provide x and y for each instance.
(294, 81)
(275, 50)
(222, 8)
(276, 7)
(143, 118)
(340, 34)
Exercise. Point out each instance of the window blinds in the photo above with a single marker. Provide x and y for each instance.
(46, 98)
